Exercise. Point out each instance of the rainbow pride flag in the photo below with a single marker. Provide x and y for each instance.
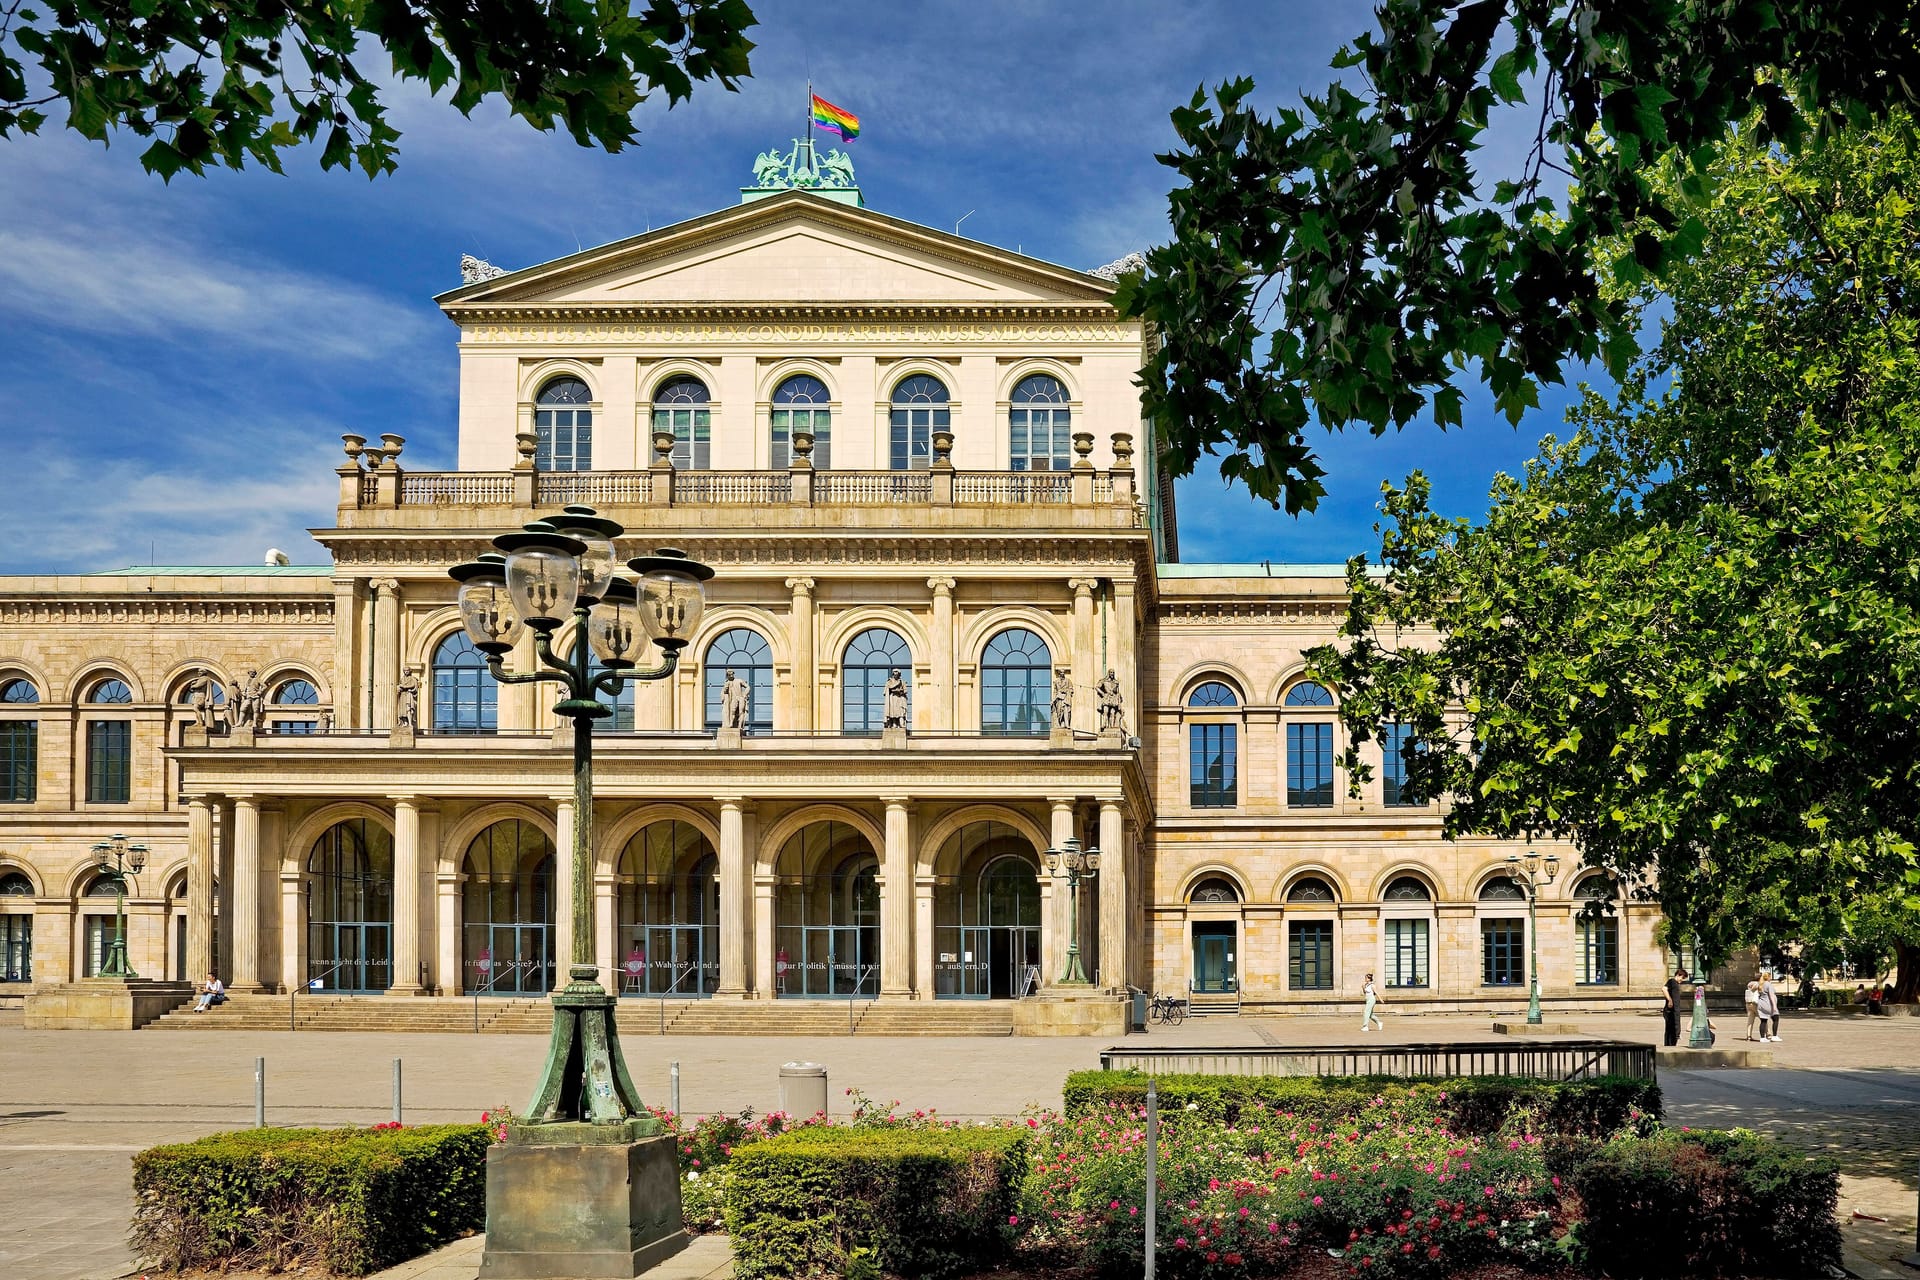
(835, 119)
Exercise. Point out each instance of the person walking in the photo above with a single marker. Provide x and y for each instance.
(1753, 1007)
(1670, 1006)
(1769, 1004)
(1369, 1020)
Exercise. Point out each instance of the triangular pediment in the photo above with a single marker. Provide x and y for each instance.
(791, 249)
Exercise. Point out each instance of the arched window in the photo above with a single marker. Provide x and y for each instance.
(747, 654)
(1213, 750)
(680, 406)
(1503, 934)
(986, 913)
(1596, 928)
(1407, 889)
(1040, 426)
(18, 692)
(870, 660)
(1309, 749)
(350, 907)
(507, 910)
(1408, 937)
(1016, 684)
(111, 692)
(800, 404)
(1310, 889)
(1309, 940)
(827, 913)
(563, 424)
(15, 884)
(19, 745)
(668, 923)
(296, 693)
(465, 694)
(1214, 890)
(919, 410)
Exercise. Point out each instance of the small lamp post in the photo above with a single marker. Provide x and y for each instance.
(1527, 875)
(558, 568)
(126, 859)
(1071, 862)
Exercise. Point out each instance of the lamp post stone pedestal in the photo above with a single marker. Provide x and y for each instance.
(597, 1201)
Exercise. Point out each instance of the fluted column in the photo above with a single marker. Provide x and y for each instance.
(896, 907)
(1083, 655)
(222, 961)
(246, 894)
(346, 653)
(406, 896)
(449, 976)
(943, 716)
(293, 934)
(803, 666)
(765, 984)
(735, 870)
(562, 890)
(199, 888)
(1114, 888)
(386, 650)
(923, 985)
(1054, 898)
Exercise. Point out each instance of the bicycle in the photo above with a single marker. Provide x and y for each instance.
(1171, 1010)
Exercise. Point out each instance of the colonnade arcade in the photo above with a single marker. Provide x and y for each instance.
(729, 899)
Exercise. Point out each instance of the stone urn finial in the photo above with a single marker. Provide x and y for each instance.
(354, 445)
(943, 448)
(374, 455)
(803, 445)
(526, 447)
(1122, 448)
(391, 445)
(663, 448)
(1082, 448)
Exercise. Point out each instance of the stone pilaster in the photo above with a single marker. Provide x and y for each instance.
(246, 895)
(896, 904)
(942, 715)
(1113, 895)
(199, 888)
(735, 868)
(386, 651)
(406, 896)
(801, 640)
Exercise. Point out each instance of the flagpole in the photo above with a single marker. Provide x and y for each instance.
(811, 166)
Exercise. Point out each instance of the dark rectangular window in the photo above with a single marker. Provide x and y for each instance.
(1310, 766)
(1599, 942)
(294, 726)
(1310, 955)
(109, 761)
(1394, 739)
(19, 760)
(1503, 960)
(564, 439)
(16, 948)
(1214, 771)
(1406, 953)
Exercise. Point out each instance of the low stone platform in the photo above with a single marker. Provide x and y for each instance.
(1511, 1028)
(704, 1258)
(103, 1004)
(1684, 1059)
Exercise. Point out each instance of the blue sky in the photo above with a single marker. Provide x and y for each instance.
(177, 362)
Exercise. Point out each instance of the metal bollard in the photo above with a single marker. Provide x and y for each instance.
(259, 1093)
(673, 1086)
(396, 1091)
(1153, 1151)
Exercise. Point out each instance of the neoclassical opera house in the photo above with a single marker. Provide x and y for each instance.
(900, 450)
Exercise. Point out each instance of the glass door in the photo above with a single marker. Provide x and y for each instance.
(1214, 970)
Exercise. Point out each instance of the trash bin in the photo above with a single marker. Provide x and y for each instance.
(1138, 1020)
(803, 1089)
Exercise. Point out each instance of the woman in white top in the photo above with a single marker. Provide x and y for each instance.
(1753, 1007)
(211, 994)
(1368, 1019)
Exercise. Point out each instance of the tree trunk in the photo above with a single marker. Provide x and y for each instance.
(1906, 979)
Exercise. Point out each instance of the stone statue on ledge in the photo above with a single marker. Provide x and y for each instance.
(736, 702)
(200, 699)
(1112, 704)
(894, 715)
(1062, 700)
(406, 701)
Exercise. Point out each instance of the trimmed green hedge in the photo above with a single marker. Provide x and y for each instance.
(1702, 1204)
(909, 1202)
(351, 1200)
(1474, 1104)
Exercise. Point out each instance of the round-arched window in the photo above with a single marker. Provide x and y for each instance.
(1212, 694)
(296, 693)
(1214, 889)
(1407, 889)
(801, 404)
(465, 694)
(1040, 425)
(1310, 889)
(871, 659)
(1309, 694)
(747, 655)
(1016, 684)
(681, 406)
(15, 884)
(919, 410)
(563, 425)
(111, 690)
(1502, 889)
(18, 691)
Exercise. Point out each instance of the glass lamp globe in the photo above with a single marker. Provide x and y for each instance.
(137, 858)
(543, 573)
(597, 562)
(613, 627)
(486, 609)
(1052, 858)
(1092, 859)
(671, 595)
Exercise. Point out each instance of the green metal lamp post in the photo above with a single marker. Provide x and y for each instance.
(126, 858)
(558, 568)
(1073, 863)
(1529, 879)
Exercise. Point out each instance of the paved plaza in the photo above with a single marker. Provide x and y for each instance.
(74, 1106)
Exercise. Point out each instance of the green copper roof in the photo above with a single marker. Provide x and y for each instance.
(218, 571)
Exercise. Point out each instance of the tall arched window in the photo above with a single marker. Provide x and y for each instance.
(800, 404)
(1408, 912)
(1309, 748)
(680, 406)
(16, 929)
(110, 747)
(350, 907)
(1040, 425)
(871, 657)
(1597, 933)
(563, 424)
(111, 692)
(668, 922)
(465, 694)
(1503, 933)
(19, 744)
(919, 410)
(1310, 936)
(1213, 749)
(747, 654)
(1016, 684)
(296, 694)
(507, 910)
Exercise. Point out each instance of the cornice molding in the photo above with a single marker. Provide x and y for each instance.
(1250, 612)
(216, 609)
(813, 324)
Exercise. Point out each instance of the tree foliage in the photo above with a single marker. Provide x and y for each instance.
(1343, 261)
(233, 82)
(1688, 638)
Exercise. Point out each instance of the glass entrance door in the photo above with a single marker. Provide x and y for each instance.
(510, 959)
(829, 960)
(1214, 969)
(671, 960)
(354, 958)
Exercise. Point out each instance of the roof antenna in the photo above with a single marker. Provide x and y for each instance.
(1268, 566)
(963, 217)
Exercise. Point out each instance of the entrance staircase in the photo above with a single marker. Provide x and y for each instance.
(526, 1016)
(1201, 1004)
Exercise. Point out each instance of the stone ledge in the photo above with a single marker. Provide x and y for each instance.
(1680, 1059)
(1511, 1028)
(103, 1004)
(1096, 1013)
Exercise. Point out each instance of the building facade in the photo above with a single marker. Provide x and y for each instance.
(901, 451)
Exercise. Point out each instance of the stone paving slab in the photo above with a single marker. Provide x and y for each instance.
(704, 1258)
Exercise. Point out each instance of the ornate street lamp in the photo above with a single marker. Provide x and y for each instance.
(1072, 863)
(126, 859)
(562, 567)
(1529, 879)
